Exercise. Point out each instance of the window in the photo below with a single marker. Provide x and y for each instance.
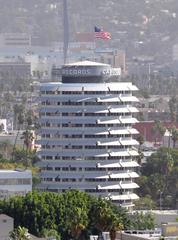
(71, 92)
(71, 125)
(57, 168)
(94, 92)
(77, 147)
(65, 169)
(65, 180)
(49, 168)
(17, 181)
(48, 179)
(71, 103)
(73, 168)
(50, 92)
(57, 179)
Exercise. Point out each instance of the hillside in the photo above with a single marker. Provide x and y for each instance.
(139, 26)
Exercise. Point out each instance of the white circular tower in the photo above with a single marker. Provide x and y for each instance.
(87, 135)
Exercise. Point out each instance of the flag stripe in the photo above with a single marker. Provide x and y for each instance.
(103, 35)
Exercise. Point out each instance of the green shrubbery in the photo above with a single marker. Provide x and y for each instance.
(73, 214)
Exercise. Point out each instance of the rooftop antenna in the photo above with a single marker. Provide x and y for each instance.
(66, 30)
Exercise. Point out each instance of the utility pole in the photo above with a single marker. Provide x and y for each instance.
(66, 30)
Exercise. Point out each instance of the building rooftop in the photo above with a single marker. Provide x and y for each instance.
(14, 171)
(18, 173)
(4, 216)
(87, 63)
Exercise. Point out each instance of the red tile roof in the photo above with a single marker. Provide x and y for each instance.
(145, 129)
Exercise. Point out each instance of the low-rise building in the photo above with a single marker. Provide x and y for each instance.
(15, 39)
(6, 226)
(3, 124)
(14, 69)
(15, 182)
(12, 137)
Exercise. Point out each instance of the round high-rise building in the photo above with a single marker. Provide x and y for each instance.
(87, 135)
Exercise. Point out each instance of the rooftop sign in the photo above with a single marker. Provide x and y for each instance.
(75, 71)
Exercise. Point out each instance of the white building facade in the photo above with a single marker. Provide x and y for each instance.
(87, 135)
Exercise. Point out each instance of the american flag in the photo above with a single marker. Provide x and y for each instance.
(99, 33)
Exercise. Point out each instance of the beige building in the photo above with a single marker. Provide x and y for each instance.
(15, 39)
(6, 226)
(116, 58)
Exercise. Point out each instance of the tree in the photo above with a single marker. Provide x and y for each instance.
(159, 174)
(173, 108)
(31, 118)
(145, 203)
(28, 137)
(140, 139)
(51, 233)
(20, 233)
(115, 226)
(158, 129)
(144, 93)
(141, 221)
(159, 162)
(104, 218)
(75, 216)
(9, 97)
(174, 135)
(19, 116)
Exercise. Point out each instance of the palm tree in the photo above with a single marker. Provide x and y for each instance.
(140, 139)
(105, 219)
(174, 135)
(20, 233)
(19, 111)
(173, 108)
(19, 115)
(28, 137)
(158, 129)
(115, 226)
(167, 164)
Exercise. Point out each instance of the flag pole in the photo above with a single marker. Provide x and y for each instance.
(66, 30)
